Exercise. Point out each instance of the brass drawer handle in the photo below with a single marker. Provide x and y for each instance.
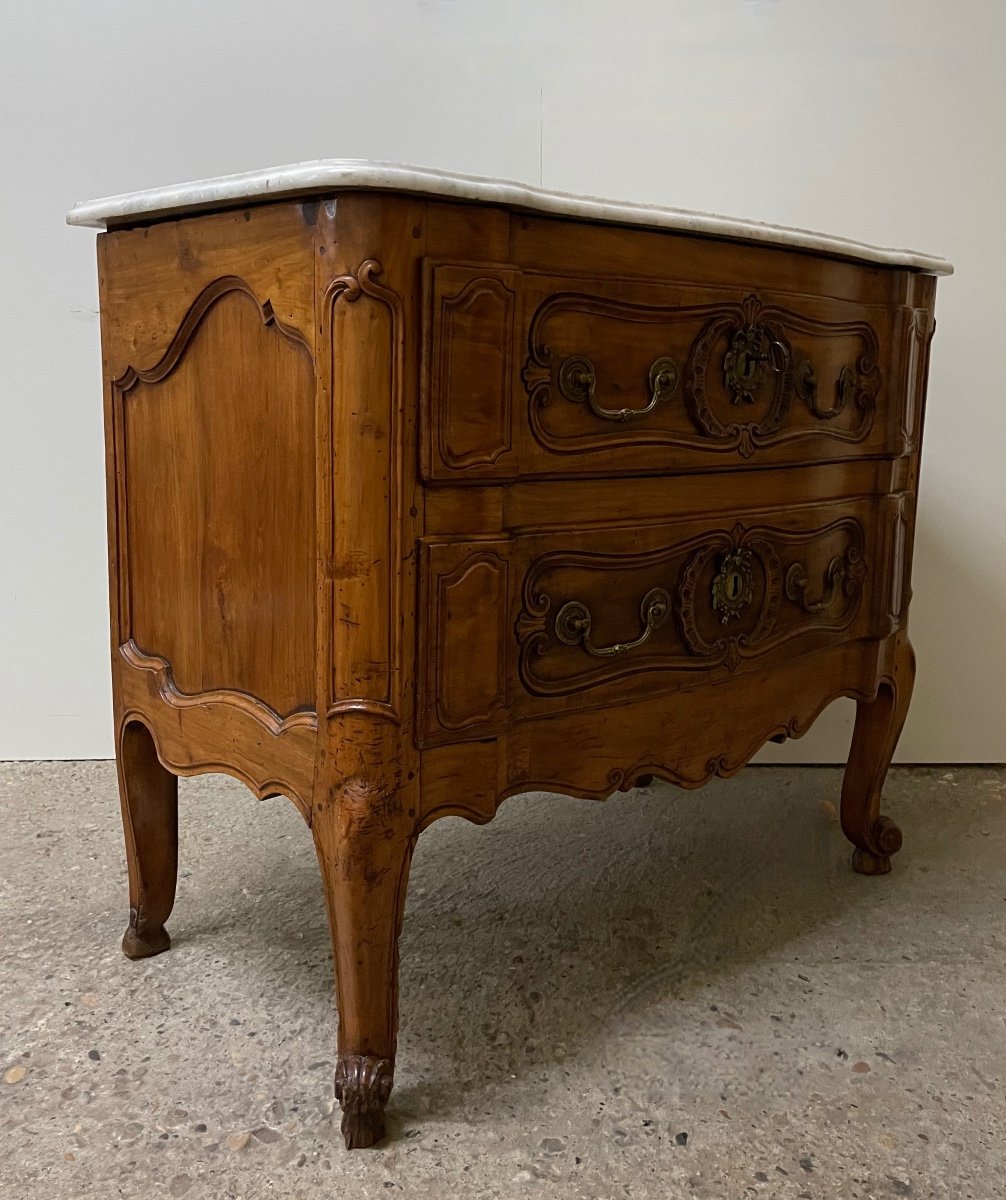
(572, 624)
(577, 381)
(798, 585)
(844, 574)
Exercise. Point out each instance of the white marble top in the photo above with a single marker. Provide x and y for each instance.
(333, 174)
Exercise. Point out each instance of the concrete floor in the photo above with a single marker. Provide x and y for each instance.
(670, 995)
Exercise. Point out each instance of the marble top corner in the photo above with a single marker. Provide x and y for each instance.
(341, 173)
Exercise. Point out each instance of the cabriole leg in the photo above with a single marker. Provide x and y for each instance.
(364, 843)
(878, 726)
(148, 794)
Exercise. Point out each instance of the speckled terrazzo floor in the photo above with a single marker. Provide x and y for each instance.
(670, 995)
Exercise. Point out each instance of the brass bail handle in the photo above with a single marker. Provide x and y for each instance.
(572, 624)
(578, 381)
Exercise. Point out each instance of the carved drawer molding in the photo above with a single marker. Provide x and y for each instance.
(733, 595)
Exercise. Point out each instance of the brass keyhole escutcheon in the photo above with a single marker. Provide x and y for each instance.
(733, 587)
(753, 352)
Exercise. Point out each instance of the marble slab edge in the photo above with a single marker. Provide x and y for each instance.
(340, 174)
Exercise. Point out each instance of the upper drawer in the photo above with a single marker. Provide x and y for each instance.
(529, 374)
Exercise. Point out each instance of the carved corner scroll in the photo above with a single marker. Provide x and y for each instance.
(364, 321)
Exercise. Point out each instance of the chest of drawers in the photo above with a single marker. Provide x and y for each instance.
(425, 491)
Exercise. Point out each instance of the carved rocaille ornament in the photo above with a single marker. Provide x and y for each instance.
(730, 594)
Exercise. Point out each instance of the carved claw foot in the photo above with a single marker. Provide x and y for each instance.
(142, 940)
(362, 1087)
(884, 839)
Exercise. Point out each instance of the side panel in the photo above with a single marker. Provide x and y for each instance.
(208, 335)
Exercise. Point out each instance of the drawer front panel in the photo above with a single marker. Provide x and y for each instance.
(534, 375)
(541, 623)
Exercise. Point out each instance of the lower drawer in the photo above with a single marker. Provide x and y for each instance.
(539, 623)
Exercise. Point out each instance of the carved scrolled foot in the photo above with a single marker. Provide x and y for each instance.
(362, 1086)
(878, 727)
(884, 840)
(142, 940)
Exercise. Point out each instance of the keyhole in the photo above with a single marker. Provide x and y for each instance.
(734, 585)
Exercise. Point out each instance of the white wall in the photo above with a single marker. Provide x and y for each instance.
(877, 119)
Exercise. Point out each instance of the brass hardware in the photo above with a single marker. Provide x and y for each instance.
(577, 381)
(733, 587)
(753, 349)
(844, 574)
(846, 387)
(572, 624)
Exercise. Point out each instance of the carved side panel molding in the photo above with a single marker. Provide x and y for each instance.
(214, 473)
(898, 591)
(252, 707)
(219, 731)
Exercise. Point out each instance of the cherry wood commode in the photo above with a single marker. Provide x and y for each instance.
(417, 502)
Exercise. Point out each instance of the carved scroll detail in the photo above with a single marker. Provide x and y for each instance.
(363, 1084)
(745, 547)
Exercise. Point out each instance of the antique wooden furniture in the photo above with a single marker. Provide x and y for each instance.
(427, 490)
